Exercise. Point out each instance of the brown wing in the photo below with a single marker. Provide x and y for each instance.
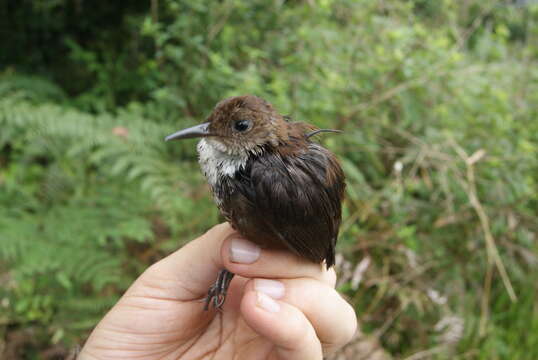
(288, 199)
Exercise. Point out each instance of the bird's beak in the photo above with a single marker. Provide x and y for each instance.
(197, 131)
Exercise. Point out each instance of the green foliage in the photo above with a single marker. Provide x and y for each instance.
(79, 192)
(437, 100)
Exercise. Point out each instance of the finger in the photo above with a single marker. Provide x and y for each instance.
(161, 295)
(333, 319)
(283, 325)
(188, 273)
(244, 258)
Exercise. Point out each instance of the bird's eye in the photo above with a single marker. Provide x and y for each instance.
(242, 125)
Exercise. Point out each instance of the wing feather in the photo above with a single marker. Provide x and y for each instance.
(289, 200)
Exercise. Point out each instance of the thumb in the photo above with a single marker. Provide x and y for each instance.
(145, 318)
(188, 273)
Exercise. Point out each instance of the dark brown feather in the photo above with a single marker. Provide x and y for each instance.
(289, 196)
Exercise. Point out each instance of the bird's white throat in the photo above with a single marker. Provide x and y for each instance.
(216, 163)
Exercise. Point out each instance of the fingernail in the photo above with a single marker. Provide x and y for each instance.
(273, 288)
(243, 251)
(266, 303)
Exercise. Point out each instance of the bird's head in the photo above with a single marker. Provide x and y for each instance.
(238, 125)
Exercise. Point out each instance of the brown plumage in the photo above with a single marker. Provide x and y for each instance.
(270, 181)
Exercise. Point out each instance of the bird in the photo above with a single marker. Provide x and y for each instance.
(270, 180)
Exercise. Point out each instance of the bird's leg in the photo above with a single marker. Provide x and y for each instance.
(217, 292)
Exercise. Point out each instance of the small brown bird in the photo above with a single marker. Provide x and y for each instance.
(270, 181)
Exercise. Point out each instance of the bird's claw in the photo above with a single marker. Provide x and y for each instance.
(216, 296)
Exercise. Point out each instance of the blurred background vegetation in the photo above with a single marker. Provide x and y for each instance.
(438, 100)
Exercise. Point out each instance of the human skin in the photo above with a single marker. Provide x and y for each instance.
(278, 306)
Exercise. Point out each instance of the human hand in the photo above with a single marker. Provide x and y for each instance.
(278, 307)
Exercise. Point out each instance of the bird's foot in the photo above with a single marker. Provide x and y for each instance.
(217, 292)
